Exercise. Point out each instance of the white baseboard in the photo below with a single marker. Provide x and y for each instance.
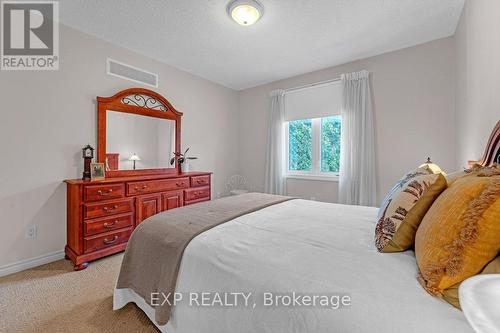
(30, 263)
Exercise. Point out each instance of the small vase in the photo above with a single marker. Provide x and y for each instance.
(185, 167)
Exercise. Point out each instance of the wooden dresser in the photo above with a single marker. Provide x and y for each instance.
(102, 214)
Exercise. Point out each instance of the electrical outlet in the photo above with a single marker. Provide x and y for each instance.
(31, 232)
(218, 195)
(313, 198)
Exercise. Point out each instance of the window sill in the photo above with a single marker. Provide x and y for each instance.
(314, 177)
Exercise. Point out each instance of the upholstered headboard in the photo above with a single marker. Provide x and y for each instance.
(492, 152)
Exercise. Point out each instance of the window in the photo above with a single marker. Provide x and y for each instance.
(313, 127)
(313, 147)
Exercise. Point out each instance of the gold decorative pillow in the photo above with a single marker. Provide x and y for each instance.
(451, 296)
(460, 234)
(404, 208)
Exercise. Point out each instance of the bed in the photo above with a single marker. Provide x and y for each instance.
(284, 247)
(308, 247)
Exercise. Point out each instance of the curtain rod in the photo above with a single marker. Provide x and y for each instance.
(320, 83)
(314, 84)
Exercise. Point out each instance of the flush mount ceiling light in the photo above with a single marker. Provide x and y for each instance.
(245, 12)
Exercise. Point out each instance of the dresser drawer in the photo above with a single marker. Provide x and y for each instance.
(109, 239)
(103, 192)
(105, 224)
(93, 210)
(197, 193)
(200, 181)
(152, 186)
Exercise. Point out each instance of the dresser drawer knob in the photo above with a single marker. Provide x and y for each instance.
(110, 225)
(200, 181)
(106, 209)
(110, 241)
(179, 184)
(101, 193)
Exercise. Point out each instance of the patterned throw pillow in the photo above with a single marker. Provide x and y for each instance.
(460, 234)
(404, 208)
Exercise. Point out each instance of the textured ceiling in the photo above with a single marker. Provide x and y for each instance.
(293, 37)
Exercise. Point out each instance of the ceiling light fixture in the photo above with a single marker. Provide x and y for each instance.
(245, 12)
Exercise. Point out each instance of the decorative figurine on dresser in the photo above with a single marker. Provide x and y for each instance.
(103, 213)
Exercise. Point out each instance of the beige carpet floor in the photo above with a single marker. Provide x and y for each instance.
(54, 298)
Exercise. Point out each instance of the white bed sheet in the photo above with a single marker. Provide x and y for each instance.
(306, 247)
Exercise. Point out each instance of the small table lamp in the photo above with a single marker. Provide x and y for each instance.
(134, 158)
(432, 166)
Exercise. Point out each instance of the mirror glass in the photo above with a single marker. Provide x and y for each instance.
(131, 139)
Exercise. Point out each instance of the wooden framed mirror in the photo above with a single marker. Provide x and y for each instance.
(138, 132)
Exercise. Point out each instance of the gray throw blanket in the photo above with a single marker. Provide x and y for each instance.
(154, 252)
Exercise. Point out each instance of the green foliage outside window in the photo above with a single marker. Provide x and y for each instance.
(300, 145)
(300, 149)
(330, 144)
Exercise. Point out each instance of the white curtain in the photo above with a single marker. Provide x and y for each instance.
(357, 184)
(275, 158)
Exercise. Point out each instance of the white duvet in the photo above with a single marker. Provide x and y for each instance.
(309, 248)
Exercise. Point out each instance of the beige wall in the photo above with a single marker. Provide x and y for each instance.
(413, 93)
(47, 117)
(478, 77)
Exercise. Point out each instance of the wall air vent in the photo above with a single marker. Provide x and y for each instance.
(127, 72)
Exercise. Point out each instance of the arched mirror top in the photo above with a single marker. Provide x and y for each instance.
(140, 100)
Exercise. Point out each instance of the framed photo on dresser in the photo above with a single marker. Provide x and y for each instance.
(97, 171)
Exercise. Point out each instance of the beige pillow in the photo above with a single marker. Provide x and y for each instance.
(404, 208)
